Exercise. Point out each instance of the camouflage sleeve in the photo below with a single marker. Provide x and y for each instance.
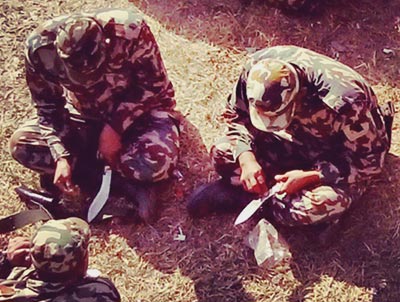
(150, 89)
(236, 115)
(91, 290)
(49, 101)
(364, 148)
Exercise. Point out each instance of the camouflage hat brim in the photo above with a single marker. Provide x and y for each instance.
(78, 77)
(271, 122)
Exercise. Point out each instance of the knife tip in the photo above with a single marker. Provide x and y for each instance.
(237, 222)
(89, 218)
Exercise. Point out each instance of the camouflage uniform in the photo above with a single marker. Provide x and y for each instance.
(59, 260)
(336, 129)
(129, 90)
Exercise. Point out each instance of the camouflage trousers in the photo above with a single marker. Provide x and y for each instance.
(318, 204)
(149, 152)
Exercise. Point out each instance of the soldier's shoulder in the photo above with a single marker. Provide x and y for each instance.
(44, 35)
(281, 52)
(123, 16)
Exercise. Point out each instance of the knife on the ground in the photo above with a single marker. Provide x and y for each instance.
(36, 212)
(102, 196)
(23, 218)
(255, 204)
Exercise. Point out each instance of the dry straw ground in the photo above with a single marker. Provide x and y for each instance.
(203, 43)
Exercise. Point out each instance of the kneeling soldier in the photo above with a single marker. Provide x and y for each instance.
(303, 120)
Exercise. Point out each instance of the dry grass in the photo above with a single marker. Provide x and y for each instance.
(203, 43)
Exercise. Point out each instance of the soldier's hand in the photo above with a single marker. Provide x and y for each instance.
(63, 177)
(110, 146)
(252, 176)
(18, 251)
(297, 180)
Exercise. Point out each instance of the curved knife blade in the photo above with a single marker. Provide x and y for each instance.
(255, 204)
(101, 197)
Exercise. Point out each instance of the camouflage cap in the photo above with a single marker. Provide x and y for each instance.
(271, 88)
(80, 44)
(60, 246)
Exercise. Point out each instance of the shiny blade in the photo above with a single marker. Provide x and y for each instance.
(249, 210)
(255, 204)
(101, 198)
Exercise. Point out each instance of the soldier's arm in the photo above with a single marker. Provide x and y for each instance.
(150, 87)
(364, 148)
(49, 101)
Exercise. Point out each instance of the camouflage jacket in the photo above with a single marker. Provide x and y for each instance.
(338, 124)
(22, 285)
(134, 79)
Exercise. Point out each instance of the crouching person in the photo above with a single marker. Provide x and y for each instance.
(100, 88)
(52, 266)
(303, 120)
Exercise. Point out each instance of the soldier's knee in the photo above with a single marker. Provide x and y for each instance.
(14, 143)
(27, 148)
(321, 205)
(288, 217)
(148, 168)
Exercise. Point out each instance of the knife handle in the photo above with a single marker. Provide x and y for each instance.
(27, 195)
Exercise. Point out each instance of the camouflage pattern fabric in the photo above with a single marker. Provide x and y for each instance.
(58, 247)
(129, 89)
(337, 129)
